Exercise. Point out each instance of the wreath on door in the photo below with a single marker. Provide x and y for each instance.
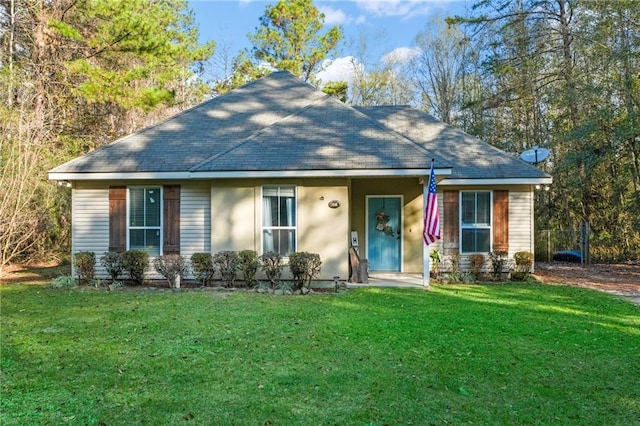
(382, 226)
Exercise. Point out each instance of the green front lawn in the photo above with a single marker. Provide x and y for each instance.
(496, 354)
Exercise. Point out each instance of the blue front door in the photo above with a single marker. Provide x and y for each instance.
(383, 233)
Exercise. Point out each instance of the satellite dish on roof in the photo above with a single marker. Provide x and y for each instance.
(535, 155)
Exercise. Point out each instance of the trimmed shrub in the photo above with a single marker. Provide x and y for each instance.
(202, 267)
(524, 261)
(304, 267)
(249, 265)
(135, 262)
(112, 262)
(85, 265)
(171, 267)
(476, 263)
(272, 266)
(498, 259)
(228, 263)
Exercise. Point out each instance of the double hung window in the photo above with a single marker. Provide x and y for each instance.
(279, 221)
(475, 223)
(145, 221)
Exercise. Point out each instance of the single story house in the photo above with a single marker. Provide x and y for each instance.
(278, 165)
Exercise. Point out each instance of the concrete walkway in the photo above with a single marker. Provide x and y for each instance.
(390, 280)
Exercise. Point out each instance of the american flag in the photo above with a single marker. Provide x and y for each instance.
(431, 231)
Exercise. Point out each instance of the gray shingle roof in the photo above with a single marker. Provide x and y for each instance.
(326, 135)
(279, 123)
(472, 158)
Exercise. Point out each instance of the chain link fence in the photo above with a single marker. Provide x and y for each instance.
(550, 241)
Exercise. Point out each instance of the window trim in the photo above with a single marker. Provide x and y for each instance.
(463, 227)
(160, 226)
(294, 227)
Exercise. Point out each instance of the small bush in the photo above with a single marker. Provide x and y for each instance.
(202, 267)
(112, 262)
(304, 267)
(249, 265)
(498, 259)
(228, 262)
(64, 282)
(285, 287)
(476, 263)
(524, 262)
(135, 262)
(171, 267)
(435, 262)
(115, 285)
(455, 275)
(85, 264)
(272, 267)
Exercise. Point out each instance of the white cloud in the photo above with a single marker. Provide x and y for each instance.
(339, 17)
(340, 69)
(333, 16)
(401, 55)
(403, 8)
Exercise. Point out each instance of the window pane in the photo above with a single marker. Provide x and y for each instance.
(287, 211)
(146, 240)
(468, 207)
(483, 205)
(476, 240)
(152, 242)
(152, 200)
(269, 210)
(136, 239)
(136, 206)
(279, 240)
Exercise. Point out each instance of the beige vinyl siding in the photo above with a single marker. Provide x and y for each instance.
(236, 207)
(90, 230)
(233, 211)
(195, 219)
(90, 210)
(520, 222)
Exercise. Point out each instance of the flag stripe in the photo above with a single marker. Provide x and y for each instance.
(431, 231)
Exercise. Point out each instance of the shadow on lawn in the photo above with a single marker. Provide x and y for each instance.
(547, 301)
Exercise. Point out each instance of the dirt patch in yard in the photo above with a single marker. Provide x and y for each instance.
(620, 279)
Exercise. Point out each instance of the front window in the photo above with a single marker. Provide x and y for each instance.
(144, 219)
(279, 219)
(475, 225)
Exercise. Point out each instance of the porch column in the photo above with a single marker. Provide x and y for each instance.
(425, 247)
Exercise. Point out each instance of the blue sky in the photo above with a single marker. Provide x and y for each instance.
(388, 25)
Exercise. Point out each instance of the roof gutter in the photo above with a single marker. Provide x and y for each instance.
(546, 180)
(62, 176)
